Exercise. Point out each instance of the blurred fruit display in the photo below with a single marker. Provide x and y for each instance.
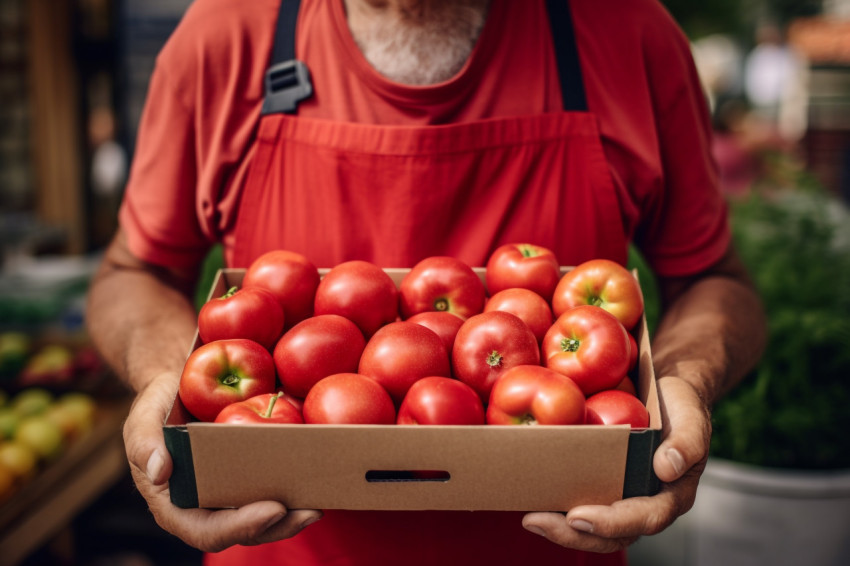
(37, 426)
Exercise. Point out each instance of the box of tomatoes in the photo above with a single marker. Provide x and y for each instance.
(440, 387)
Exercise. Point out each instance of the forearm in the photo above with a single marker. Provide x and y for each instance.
(141, 321)
(711, 334)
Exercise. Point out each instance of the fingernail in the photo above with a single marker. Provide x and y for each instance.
(273, 521)
(676, 460)
(154, 466)
(581, 525)
(535, 530)
(310, 521)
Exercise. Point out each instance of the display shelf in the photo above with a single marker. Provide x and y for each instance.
(45, 505)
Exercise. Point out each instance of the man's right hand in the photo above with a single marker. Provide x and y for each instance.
(210, 531)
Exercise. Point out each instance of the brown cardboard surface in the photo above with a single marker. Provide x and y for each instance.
(490, 468)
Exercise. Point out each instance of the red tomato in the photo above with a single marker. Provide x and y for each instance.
(602, 283)
(614, 407)
(531, 395)
(291, 277)
(224, 372)
(442, 283)
(401, 353)
(297, 402)
(251, 313)
(361, 292)
(444, 324)
(487, 345)
(633, 352)
(261, 409)
(315, 348)
(441, 401)
(526, 266)
(627, 385)
(589, 345)
(530, 307)
(348, 398)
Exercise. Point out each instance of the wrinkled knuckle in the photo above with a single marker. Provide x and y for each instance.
(209, 543)
(253, 535)
(654, 523)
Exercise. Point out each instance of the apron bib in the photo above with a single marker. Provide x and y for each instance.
(394, 195)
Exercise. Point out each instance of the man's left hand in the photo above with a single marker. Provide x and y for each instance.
(678, 463)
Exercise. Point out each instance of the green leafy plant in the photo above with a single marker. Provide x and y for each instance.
(793, 410)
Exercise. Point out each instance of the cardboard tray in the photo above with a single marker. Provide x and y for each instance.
(373, 467)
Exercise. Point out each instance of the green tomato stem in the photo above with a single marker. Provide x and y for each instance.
(272, 401)
(230, 379)
(526, 419)
(494, 359)
(230, 293)
(441, 305)
(570, 344)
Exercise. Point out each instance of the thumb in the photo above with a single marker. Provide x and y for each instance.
(687, 430)
(143, 438)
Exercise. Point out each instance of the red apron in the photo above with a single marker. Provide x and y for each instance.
(393, 195)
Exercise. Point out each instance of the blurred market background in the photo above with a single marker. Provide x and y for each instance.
(73, 76)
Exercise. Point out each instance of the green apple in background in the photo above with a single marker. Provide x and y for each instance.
(42, 435)
(31, 401)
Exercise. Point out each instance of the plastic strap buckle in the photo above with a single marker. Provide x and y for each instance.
(287, 84)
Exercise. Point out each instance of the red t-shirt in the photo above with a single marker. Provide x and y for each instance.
(196, 136)
(196, 145)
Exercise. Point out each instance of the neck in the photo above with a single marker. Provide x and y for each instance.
(416, 41)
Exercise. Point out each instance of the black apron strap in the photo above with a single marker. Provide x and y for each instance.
(287, 79)
(566, 53)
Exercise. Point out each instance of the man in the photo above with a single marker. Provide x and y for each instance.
(433, 127)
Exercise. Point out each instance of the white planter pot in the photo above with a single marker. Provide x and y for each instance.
(749, 516)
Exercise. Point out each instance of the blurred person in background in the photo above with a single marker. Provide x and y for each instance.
(775, 83)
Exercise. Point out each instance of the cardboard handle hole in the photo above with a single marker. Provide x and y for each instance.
(377, 476)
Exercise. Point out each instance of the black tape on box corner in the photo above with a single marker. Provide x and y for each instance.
(640, 477)
(181, 485)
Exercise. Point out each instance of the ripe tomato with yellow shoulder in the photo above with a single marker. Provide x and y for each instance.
(602, 283)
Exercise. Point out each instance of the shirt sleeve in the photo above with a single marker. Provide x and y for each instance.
(684, 227)
(158, 213)
(196, 132)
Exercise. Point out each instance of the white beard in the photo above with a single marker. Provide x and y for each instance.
(424, 49)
